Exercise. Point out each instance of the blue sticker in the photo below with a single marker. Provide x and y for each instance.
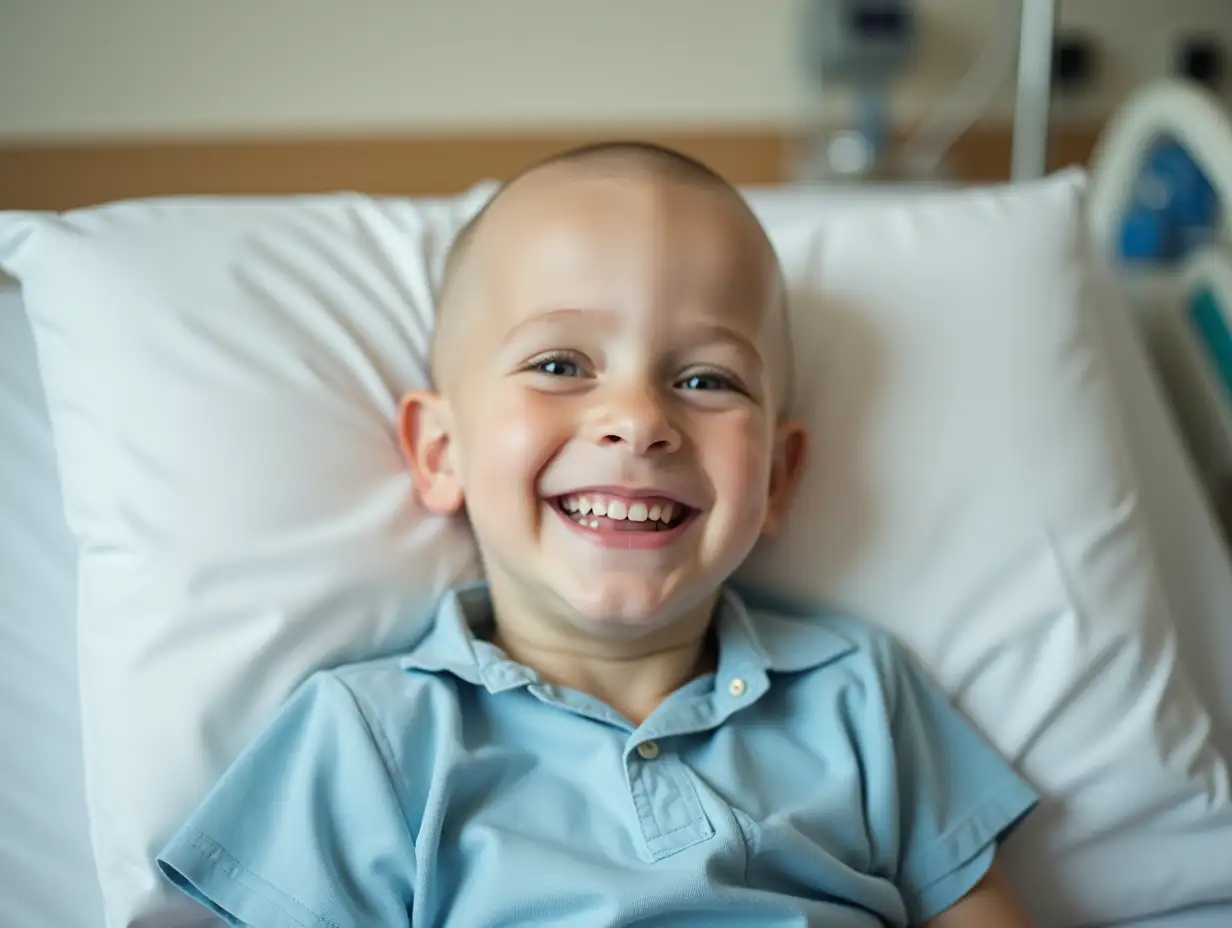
(1173, 208)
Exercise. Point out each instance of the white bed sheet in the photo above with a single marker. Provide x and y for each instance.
(1219, 916)
(46, 870)
(47, 873)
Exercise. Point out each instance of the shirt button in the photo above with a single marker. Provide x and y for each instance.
(648, 750)
(736, 687)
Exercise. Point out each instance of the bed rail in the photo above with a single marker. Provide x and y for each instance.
(1167, 108)
(1184, 310)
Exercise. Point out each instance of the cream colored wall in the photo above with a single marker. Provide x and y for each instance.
(155, 67)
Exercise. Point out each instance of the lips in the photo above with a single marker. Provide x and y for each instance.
(623, 513)
(607, 531)
(623, 518)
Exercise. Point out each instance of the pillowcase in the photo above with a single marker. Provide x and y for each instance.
(974, 494)
(223, 376)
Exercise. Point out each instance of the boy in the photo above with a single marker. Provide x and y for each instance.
(604, 733)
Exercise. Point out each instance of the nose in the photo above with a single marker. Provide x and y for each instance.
(636, 420)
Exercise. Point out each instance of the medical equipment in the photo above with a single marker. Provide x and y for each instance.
(1160, 182)
(862, 45)
(1036, 31)
(1160, 163)
(866, 41)
(1173, 211)
(1193, 344)
(1159, 213)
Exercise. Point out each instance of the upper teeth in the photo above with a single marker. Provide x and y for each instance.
(618, 509)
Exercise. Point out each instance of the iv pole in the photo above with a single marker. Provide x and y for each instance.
(1035, 37)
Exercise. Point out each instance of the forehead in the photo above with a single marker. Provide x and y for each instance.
(633, 244)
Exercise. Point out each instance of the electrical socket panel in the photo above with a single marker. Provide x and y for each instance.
(1136, 41)
(1132, 43)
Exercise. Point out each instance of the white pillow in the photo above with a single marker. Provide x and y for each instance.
(974, 495)
(222, 378)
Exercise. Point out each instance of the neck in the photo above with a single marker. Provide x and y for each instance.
(633, 677)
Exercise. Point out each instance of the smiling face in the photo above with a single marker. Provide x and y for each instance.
(609, 404)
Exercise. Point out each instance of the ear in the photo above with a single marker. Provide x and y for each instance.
(790, 451)
(425, 434)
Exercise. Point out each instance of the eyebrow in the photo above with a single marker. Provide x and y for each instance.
(565, 313)
(715, 331)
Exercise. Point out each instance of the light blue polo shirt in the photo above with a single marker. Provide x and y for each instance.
(815, 779)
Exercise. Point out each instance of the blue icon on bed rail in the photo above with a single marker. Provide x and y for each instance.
(1173, 210)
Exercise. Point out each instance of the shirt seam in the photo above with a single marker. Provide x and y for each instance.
(748, 836)
(678, 771)
(206, 845)
(699, 825)
(642, 805)
(367, 713)
(983, 813)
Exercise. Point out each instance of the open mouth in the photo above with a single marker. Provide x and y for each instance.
(603, 512)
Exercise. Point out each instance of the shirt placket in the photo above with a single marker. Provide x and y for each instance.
(661, 787)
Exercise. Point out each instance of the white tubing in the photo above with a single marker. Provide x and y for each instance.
(925, 150)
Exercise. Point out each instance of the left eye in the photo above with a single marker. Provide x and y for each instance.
(558, 367)
(705, 382)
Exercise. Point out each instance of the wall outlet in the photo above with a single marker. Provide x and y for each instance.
(1075, 64)
(1203, 59)
(1138, 41)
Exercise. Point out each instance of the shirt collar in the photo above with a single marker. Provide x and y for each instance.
(456, 643)
(791, 635)
(757, 633)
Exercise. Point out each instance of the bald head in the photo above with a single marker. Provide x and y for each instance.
(614, 159)
(515, 201)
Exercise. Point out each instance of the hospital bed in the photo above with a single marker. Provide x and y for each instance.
(47, 878)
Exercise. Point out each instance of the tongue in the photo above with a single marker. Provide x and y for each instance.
(624, 525)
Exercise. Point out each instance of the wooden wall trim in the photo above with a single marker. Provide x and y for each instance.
(62, 176)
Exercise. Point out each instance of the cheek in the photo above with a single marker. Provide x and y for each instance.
(513, 435)
(738, 461)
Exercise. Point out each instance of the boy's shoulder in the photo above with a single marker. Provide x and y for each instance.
(787, 626)
(404, 715)
(389, 692)
(390, 686)
(828, 650)
(428, 667)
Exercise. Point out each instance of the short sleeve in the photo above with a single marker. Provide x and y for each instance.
(307, 827)
(957, 798)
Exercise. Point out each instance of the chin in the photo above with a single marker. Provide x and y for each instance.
(623, 605)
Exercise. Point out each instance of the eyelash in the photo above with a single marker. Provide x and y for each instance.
(725, 382)
(555, 357)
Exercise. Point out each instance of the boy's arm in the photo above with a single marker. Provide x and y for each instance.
(991, 903)
(308, 826)
(955, 799)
